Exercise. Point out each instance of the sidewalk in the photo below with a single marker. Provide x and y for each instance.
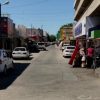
(97, 72)
(82, 73)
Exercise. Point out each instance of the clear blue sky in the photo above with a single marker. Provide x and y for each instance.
(47, 14)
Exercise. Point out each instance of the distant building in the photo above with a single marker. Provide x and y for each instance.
(22, 31)
(45, 36)
(66, 34)
(33, 34)
(7, 29)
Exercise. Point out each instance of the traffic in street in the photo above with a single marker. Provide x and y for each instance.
(48, 76)
(50, 50)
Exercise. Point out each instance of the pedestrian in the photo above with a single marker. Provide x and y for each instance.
(82, 57)
(97, 51)
(77, 61)
(90, 52)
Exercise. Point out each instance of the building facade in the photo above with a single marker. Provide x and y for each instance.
(65, 34)
(45, 36)
(7, 29)
(22, 31)
(33, 34)
(87, 17)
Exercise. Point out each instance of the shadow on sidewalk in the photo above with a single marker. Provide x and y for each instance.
(12, 75)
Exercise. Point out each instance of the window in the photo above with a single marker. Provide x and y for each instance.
(19, 49)
(70, 47)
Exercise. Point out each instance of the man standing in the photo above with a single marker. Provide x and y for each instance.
(90, 52)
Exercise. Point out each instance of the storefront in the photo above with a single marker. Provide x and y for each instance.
(80, 32)
(85, 30)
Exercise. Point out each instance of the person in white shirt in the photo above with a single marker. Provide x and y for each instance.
(83, 59)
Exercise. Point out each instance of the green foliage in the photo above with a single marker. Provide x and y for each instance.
(67, 25)
(58, 35)
(52, 38)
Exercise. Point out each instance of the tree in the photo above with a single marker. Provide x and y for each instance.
(48, 37)
(67, 25)
(52, 38)
(58, 35)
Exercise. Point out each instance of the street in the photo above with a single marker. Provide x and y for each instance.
(47, 76)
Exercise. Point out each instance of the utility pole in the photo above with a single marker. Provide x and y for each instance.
(31, 30)
(0, 10)
(5, 3)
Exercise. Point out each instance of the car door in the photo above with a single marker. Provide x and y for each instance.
(5, 59)
(9, 59)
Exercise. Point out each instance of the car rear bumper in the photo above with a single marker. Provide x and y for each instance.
(20, 56)
(67, 54)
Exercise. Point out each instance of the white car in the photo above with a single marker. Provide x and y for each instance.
(41, 46)
(64, 46)
(20, 52)
(5, 61)
(68, 51)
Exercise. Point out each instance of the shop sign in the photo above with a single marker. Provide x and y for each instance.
(95, 34)
(78, 29)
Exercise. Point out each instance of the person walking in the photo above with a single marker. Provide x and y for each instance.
(90, 52)
(83, 58)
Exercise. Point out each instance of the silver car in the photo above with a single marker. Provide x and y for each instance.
(6, 61)
(20, 52)
(41, 46)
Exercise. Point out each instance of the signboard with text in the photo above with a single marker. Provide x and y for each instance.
(80, 28)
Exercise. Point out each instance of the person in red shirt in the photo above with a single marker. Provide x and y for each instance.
(90, 52)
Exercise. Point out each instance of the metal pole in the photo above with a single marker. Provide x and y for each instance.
(0, 10)
(31, 31)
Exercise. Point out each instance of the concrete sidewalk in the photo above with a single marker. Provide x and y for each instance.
(97, 72)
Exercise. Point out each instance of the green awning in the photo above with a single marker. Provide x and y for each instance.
(95, 34)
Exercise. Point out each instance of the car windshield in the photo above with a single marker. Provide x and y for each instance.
(40, 43)
(19, 49)
(70, 47)
(65, 44)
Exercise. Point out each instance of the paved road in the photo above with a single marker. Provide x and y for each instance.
(48, 77)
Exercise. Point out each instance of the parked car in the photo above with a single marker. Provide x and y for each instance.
(20, 52)
(68, 51)
(32, 47)
(64, 46)
(41, 46)
(6, 62)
